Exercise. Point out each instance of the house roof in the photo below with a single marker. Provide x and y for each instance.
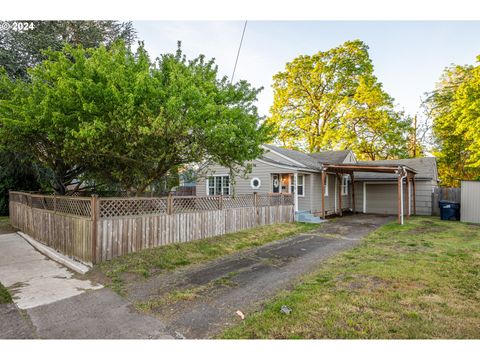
(286, 165)
(297, 156)
(426, 168)
(314, 160)
(331, 157)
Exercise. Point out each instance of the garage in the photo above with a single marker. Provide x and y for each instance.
(381, 198)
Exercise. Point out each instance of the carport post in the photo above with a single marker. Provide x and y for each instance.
(399, 197)
(414, 196)
(352, 181)
(323, 193)
(408, 197)
(340, 183)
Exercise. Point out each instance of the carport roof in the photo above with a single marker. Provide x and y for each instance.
(368, 168)
(425, 168)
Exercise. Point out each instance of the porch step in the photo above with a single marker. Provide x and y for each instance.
(307, 217)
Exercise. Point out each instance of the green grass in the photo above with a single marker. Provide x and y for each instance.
(5, 226)
(145, 263)
(420, 280)
(5, 297)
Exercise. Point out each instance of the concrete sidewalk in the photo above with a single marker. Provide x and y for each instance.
(50, 303)
(32, 278)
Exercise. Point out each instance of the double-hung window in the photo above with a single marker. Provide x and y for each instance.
(218, 185)
(345, 183)
(300, 185)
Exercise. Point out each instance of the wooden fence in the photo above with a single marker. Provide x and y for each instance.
(444, 193)
(95, 229)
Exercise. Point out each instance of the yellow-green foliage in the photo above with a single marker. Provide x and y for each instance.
(332, 100)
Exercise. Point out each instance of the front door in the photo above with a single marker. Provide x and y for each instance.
(276, 183)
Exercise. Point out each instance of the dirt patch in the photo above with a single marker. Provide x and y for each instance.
(94, 275)
(361, 282)
(427, 229)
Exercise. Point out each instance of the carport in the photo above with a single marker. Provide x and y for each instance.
(405, 175)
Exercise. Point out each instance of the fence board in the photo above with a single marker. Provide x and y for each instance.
(444, 193)
(131, 225)
(68, 234)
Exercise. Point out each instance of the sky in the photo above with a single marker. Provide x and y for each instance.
(408, 56)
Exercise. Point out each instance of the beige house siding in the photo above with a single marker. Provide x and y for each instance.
(470, 201)
(242, 184)
(331, 200)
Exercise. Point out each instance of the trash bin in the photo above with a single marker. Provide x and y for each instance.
(449, 210)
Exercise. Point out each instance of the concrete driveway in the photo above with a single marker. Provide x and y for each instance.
(206, 296)
(51, 302)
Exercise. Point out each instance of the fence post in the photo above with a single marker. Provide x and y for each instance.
(170, 204)
(95, 211)
(220, 202)
(54, 203)
(255, 208)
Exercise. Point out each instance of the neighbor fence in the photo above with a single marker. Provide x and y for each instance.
(444, 193)
(94, 229)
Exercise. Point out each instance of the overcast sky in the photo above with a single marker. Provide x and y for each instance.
(408, 56)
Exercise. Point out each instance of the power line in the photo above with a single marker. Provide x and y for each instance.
(238, 52)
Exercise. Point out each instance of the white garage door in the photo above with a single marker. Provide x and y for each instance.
(382, 198)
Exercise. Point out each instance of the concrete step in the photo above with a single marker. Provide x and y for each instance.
(307, 218)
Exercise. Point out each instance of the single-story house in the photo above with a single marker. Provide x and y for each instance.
(401, 187)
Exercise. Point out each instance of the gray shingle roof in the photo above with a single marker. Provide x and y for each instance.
(426, 168)
(298, 156)
(331, 157)
(314, 160)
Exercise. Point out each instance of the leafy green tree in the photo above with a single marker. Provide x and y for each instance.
(332, 100)
(454, 107)
(21, 50)
(115, 117)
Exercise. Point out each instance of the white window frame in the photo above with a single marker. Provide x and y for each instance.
(214, 187)
(302, 185)
(345, 184)
(292, 184)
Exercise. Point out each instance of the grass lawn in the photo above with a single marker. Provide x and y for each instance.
(117, 272)
(420, 280)
(5, 226)
(5, 297)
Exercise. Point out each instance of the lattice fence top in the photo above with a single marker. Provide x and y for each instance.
(78, 206)
(117, 207)
(131, 206)
(181, 204)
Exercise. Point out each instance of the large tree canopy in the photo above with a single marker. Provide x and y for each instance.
(332, 100)
(454, 106)
(21, 50)
(113, 116)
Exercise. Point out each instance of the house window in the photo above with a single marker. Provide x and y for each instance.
(325, 192)
(345, 182)
(218, 185)
(300, 185)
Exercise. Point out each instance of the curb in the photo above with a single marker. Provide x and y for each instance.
(55, 255)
